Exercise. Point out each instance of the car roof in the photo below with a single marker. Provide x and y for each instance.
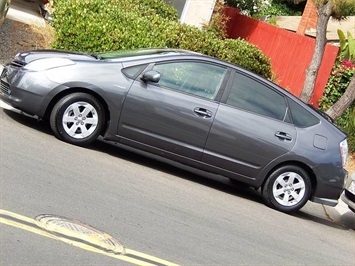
(147, 53)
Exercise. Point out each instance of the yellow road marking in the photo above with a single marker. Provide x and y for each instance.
(28, 224)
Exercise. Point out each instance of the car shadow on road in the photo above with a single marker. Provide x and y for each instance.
(29, 121)
(215, 182)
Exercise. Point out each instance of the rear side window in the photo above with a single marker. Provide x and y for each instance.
(301, 117)
(250, 95)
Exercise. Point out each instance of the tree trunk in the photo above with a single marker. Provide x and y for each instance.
(337, 109)
(324, 13)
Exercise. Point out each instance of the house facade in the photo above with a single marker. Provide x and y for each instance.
(194, 12)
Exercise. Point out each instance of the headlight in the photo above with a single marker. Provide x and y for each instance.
(48, 63)
(344, 152)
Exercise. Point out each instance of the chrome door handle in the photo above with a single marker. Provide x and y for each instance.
(283, 136)
(203, 112)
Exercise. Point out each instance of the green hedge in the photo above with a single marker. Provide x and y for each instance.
(104, 25)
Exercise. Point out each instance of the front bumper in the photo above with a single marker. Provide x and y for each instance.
(25, 90)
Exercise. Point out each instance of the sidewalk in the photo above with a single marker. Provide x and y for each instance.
(26, 11)
(291, 23)
(341, 214)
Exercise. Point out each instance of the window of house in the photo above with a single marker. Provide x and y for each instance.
(179, 5)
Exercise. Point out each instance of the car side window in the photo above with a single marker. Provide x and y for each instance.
(301, 117)
(197, 78)
(250, 95)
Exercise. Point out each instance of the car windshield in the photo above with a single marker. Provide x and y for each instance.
(133, 53)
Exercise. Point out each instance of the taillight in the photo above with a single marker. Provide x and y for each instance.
(344, 152)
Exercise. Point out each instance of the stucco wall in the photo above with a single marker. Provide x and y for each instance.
(197, 12)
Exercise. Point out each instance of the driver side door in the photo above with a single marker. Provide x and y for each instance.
(173, 116)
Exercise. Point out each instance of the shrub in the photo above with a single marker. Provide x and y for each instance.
(218, 21)
(281, 8)
(237, 51)
(339, 80)
(347, 47)
(247, 7)
(262, 8)
(347, 123)
(99, 25)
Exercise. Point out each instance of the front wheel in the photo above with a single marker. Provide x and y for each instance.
(287, 189)
(77, 118)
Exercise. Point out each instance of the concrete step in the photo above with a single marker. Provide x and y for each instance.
(26, 11)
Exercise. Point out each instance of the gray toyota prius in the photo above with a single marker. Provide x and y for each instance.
(187, 109)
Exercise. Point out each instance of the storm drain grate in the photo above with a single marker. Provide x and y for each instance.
(79, 232)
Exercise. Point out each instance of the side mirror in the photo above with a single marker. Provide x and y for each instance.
(152, 76)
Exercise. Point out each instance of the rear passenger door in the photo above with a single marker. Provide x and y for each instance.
(251, 128)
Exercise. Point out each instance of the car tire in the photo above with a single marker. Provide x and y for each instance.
(287, 189)
(77, 118)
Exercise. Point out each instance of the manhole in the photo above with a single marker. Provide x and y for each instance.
(79, 232)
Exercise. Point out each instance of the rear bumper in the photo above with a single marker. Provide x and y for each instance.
(329, 202)
(328, 191)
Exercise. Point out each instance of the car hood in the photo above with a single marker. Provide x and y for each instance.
(26, 57)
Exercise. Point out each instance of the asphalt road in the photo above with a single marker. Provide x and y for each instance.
(148, 207)
(160, 214)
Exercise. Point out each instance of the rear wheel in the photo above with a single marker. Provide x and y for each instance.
(77, 118)
(287, 189)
